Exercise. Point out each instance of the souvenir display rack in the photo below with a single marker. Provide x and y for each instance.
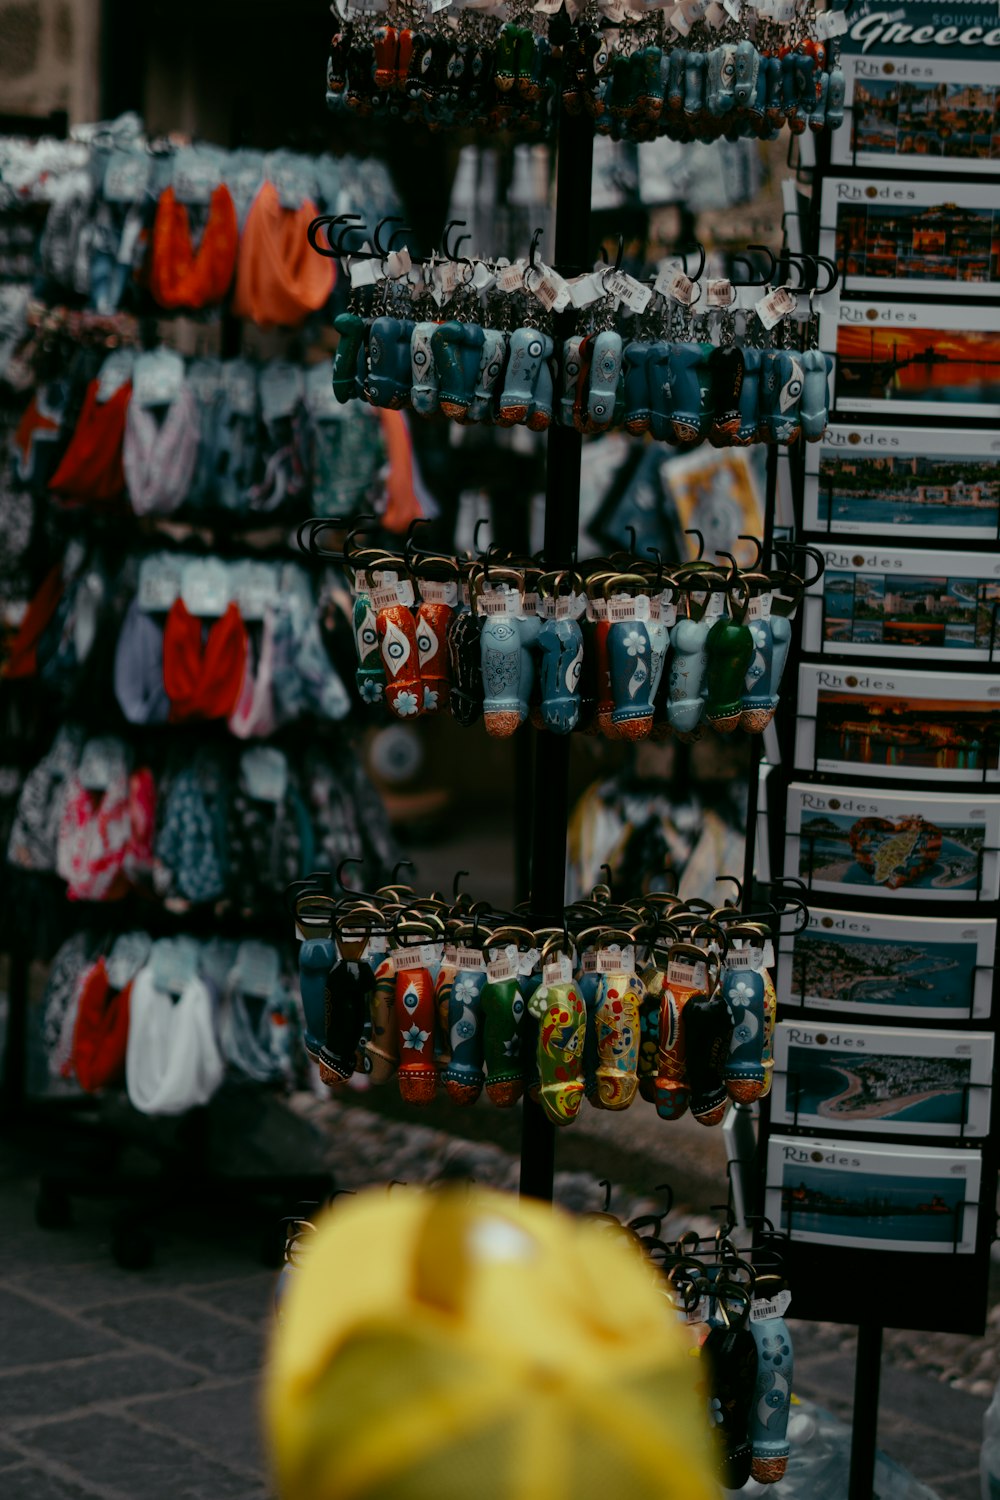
(891, 729)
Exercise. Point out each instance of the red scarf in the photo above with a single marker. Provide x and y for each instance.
(281, 279)
(91, 468)
(22, 660)
(180, 276)
(203, 679)
(101, 1034)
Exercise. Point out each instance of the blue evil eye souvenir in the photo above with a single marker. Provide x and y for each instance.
(780, 395)
(456, 348)
(388, 379)
(529, 347)
(560, 651)
(772, 1396)
(424, 386)
(349, 358)
(635, 366)
(816, 368)
(492, 358)
(605, 370)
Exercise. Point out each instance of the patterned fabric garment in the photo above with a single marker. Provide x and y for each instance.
(270, 838)
(160, 458)
(66, 974)
(256, 1032)
(95, 832)
(347, 455)
(35, 833)
(190, 844)
(284, 476)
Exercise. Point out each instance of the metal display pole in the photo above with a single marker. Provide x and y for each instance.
(864, 1422)
(562, 516)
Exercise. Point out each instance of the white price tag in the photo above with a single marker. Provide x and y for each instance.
(597, 609)
(829, 24)
(767, 960)
(740, 958)
(436, 591)
(413, 958)
(584, 291)
(362, 273)
(622, 607)
(762, 1308)
(718, 291)
(503, 965)
(615, 960)
(716, 607)
(687, 976)
(759, 607)
(677, 285)
(470, 960)
(398, 263)
(635, 294)
(499, 599)
(589, 962)
(511, 278)
(558, 971)
(776, 305)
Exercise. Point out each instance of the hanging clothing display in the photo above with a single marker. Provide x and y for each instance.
(179, 275)
(172, 1061)
(279, 279)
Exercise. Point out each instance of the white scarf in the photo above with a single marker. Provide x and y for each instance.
(172, 1062)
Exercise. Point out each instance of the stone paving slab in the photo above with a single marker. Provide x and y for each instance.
(188, 1330)
(223, 1420)
(124, 1458)
(57, 1389)
(32, 1333)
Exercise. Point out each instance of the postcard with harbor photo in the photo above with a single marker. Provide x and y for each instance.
(882, 1080)
(944, 121)
(909, 968)
(896, 845)
(911, 236)
(898, 725)
(866, 1196)
(923, 358)
(883, 602)
(910, 483)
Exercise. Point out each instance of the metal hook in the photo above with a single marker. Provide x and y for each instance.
(745, 537)
(768, 276)
(621, 251)
(696, 275)
(454, 884)
(398, 866)
(692, 531)
(534, 246)
(737, 883)
(452, 224)
(349, 859)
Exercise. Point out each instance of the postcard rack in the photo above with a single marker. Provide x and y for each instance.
(921, 491)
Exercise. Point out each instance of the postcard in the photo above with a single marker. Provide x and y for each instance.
(900, 845)
(922, 358)
(909, 968)
(898, 725)
(879, 1079)
(917, 236)
(865, 1196)
(938, 114)
(882, 602)
(911, 483)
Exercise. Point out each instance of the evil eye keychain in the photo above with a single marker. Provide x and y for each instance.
(729, 646)
(708, 1032)
(459, 991)
(503, 1014)
(559, 647)
(690, 972)
(396, 629)
(506, 637)
(558, 1010)
(438, 598)
(629, 655)
(416, 953)
(742, 985)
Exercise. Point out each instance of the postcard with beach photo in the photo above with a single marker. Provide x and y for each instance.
(940, 117)
(882, 1080)
(910, 483)
(909, 968)
(918, 358)
(888, 236)
(883, 602)
(898, 726)
(866, 1196)
(894, 845)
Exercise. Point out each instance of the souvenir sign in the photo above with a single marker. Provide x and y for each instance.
(921, 358)
(917, 483)
(861, 1196)
(921, 83)
(893, 845)
(882, 1080)
(931, 606)
(909, 968)
(912, 236)
(898, 725)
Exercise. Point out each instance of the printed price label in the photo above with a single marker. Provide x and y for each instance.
(776, 305)
(676, 284)
(511, 278)
(716, 606)
(688, 976)
(362, 273)
(589, 962)
(584, 291)
(762, 1308)
(759, 607)
(470, 959)
(558, 971)
(597, 609)
(767, 959)
(633, 293)
(499, 600)
(622, 607)
(398, 263)
(718, 291)
(502, 966)
(423, 956)
(742, 958)
(616, 960)
(437, 592)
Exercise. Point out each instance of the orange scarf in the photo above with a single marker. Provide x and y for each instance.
(402, 504)
(179, 276)
(280, 278)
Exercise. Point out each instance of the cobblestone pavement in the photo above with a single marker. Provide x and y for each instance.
(118, 1385)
